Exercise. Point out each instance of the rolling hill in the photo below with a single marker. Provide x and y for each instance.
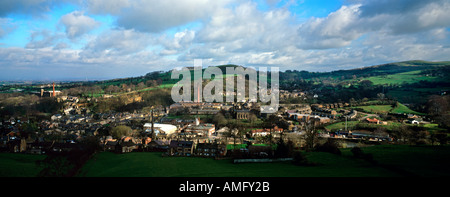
(407, 81)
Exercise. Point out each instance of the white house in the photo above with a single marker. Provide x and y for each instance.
(160, 128)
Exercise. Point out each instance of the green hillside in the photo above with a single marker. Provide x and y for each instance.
(153, 165)
(19, 165)
(391, 161)
(405, 77)
(384, 109)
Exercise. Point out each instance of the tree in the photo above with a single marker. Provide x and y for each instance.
(284, 149)
(300, 159)
(151, 83)
(104, 130)
(381, 96)
(141, 85)
(112, 89)
(366, 83)
(330, 146)
(120, 131)
(352, 102)
(252, 118)
(125, 87)
(49, 105)
(379, 130)
(236, 130)
(29, 129)
(439, 137)
(438, 107)
(310, 135)
(220, 120)
(402, 134)
(153, 75)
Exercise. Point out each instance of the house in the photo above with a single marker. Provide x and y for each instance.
(223, 132)
(324, 112)
(167, 129)
(204, 129)
(317, 120)
(369, 135)
(181, 148)
(158, 146)
(415, 121)
(17, 146)
(300, 117)
(126, 147)
(207, 149)
(264, 132)
(66, 147)
(352, 114)
(373, 120)
(412, 116)
(38, 147)
(110, 145)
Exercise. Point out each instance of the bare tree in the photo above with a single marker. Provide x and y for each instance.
(402, 134)
(310, 135)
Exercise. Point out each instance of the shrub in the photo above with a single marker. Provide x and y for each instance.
(299, 159)
(331, 146)
(357, 152)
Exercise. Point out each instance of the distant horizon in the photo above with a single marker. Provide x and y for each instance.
(91, 79)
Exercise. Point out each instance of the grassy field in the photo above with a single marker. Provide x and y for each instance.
(19, 165)
(392, 161)
(107, 164)
(404, 109)
(376, 108)
(341, 125)
(399, 78)
(387, 108)
(426, 161)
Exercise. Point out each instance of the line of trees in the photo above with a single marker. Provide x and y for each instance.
(27, 105)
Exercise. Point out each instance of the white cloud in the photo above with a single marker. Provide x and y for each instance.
(113, 7)
(77, 24)
(155, 15)
(43, 39)
(116, 43)
(338, 29)
(180, 42)
(243, 30)
(342, 27)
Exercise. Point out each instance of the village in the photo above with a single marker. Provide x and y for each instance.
(200, 129)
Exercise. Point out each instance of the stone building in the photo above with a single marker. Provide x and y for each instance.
(242, 114)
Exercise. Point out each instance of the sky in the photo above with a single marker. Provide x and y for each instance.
(104, 39)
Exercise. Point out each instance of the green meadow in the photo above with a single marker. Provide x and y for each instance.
(341, 125)
(423, 161)
(19, 165)
(400, 108)
(399, 78)
(107, 164)
(390, 161)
